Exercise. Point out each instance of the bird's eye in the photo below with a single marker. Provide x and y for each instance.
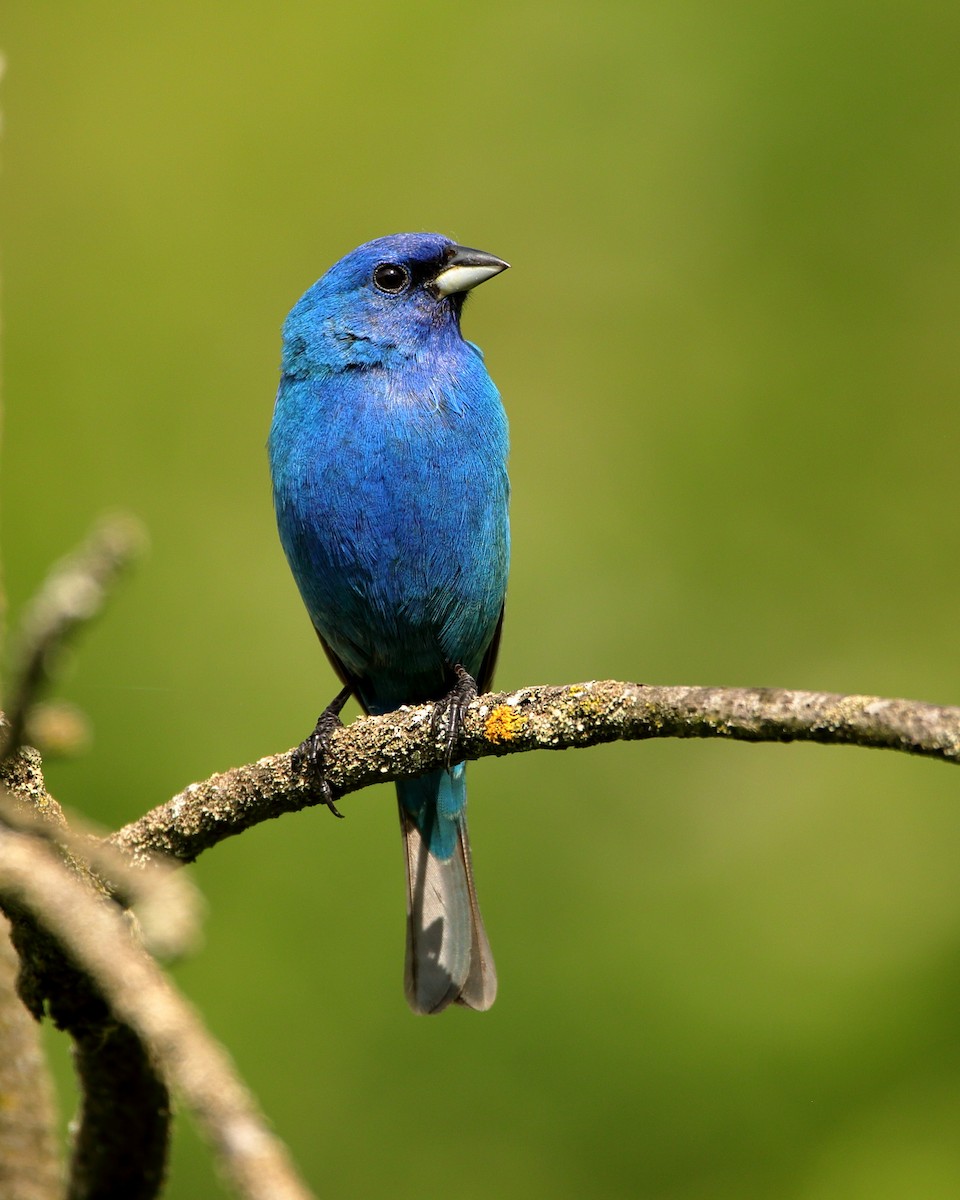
(391, 277)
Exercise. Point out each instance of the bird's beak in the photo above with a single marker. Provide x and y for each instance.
(465, 268)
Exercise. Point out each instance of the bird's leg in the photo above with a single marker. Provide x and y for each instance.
(449, 712)
(309, 758)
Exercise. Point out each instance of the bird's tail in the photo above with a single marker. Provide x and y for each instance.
(448, 955)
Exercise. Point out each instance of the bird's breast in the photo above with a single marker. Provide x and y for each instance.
(392, 504)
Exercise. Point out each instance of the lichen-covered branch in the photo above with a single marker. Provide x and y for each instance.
(399, 745)
(164, 902)
(120, 1146)
(99, 940)
(403, 744)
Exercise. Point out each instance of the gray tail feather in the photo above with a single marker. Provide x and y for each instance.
(448, 955)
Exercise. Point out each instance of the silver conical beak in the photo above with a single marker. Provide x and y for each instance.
(465, 269)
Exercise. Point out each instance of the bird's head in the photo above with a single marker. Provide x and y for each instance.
(384, 300)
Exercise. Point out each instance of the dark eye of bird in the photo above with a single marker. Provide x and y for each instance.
(391, 277)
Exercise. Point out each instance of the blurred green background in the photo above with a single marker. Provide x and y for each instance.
(728, 348)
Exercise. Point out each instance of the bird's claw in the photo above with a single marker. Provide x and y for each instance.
(449, 712)
(310, 757)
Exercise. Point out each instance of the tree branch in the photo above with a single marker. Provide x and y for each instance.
(121, 1136)
(403, 744)
(164, 902)
(99, 941)
(29, 1156)
(73, 594)
(79, 963)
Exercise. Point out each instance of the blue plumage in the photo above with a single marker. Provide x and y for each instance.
(388, 452)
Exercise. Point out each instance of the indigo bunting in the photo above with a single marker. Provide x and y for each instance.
(388, 455)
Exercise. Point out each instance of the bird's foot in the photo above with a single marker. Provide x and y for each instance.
(310, 756)
(449, 712)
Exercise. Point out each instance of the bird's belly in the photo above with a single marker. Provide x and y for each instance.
(395, 525)
(400, 600)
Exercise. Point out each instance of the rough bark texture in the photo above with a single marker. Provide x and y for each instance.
(124, 1121)
(29, 1157)
(122, 1153)
(404, 744)
(124, 1100)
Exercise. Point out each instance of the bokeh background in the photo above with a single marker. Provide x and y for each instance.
(728, 348)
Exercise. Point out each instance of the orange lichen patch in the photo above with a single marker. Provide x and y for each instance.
(503, 724)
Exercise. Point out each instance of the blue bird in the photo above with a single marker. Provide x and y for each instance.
(388, 452)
